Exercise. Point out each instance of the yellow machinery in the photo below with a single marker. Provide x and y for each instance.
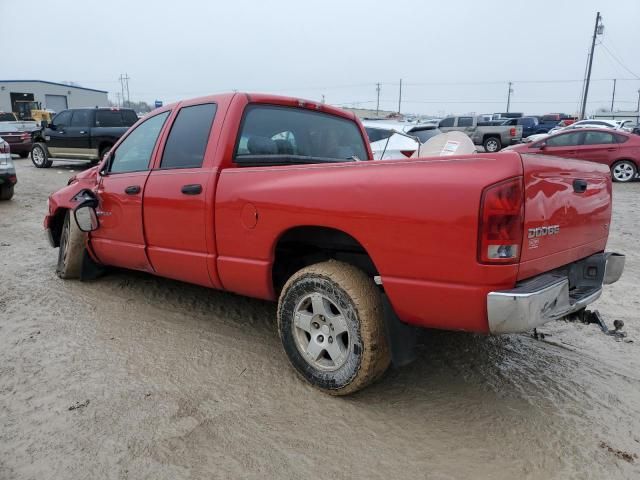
(30, 110)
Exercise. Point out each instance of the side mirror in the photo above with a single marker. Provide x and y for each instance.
(85, 213)
(51, 126)
(86, 218)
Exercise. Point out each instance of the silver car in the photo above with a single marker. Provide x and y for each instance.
(8, 177)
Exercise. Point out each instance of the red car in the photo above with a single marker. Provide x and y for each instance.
(619, 150)
(276, 198)
(19, 140)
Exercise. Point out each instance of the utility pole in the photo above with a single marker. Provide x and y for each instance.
(509, 92)
(613, 95)
(638, 108)
(322, 101)
(400, 97)
(118, 99)
(598, 29)
(126, 79)
(378, 99)
(121, 78)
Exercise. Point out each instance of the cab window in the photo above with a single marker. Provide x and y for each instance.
(134, 153)
(598, 138)
(188, 138)
(63, 119)
(566, 140)
(275, 135)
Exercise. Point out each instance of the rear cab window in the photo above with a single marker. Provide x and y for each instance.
(278, 135)
(115, 118)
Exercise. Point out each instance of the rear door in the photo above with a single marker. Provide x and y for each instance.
(598, 146)
(120, 239)
(177, 216)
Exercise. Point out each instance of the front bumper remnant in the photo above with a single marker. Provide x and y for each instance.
(553, 295)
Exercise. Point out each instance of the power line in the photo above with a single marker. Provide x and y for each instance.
(617, 60)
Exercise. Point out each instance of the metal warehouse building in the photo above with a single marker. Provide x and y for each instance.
(15, 95)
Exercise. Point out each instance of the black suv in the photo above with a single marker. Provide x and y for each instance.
(80, 134)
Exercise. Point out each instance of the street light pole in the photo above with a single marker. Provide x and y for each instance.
(509, 96)
(598, 29)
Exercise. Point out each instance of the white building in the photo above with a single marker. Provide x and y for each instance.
(15, 95)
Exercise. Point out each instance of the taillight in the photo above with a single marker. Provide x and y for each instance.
(501, 222)
(407, 153)
(25, 136)
(512, 132)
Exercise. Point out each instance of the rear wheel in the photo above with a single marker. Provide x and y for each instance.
(330, 320)
(623, 171)
(492, 144)
(40, 156)
(6, 192)
(72, 242)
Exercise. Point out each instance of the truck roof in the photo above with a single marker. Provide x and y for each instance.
(266, 98)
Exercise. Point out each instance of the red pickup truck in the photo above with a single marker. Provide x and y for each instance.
(277, 198)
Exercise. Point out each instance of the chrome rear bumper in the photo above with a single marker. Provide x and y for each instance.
(553, 295)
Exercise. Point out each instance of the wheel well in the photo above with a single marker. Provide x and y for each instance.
(303, 246)
(491, 135)
(626, 160)
(56, 225)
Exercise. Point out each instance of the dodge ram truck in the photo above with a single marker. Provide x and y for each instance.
(80, 134)
(279, 199)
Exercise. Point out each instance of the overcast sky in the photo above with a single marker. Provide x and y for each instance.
(453, 56)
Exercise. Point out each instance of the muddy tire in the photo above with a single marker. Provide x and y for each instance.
(492, 144)
(40, 156)
(331, 324)
(623, 171)
(6, 192)
(72, 244)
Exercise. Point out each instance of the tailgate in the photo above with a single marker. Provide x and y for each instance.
(563, 224)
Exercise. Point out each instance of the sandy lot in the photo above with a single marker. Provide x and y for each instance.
(137, 377)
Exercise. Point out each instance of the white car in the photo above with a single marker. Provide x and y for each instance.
(613, 124)
(391, 139)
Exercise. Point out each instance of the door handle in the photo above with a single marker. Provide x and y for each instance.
(193, 189)
(82, 132)
(579, 185)
(132, 189)
(611, 149)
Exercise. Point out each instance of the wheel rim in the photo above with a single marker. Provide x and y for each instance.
(623, 172)
(321, 332)
(491, 146)
(38, 156)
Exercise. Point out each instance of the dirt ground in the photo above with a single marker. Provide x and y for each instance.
(137, 377)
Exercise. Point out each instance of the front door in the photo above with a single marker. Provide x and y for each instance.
(77, 135)
(178, 206)
(564, 145)
(120, 239)
(57, 134)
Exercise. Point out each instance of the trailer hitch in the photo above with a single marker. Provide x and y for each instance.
(588, 316)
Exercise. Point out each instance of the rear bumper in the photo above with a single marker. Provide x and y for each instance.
(553, 295)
